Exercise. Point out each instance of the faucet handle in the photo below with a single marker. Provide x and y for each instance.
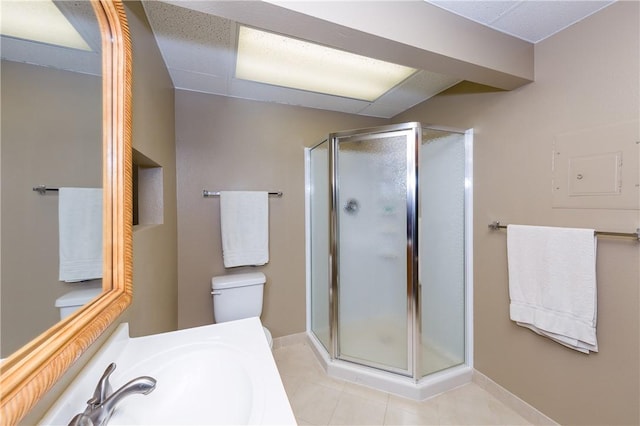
(103, 389)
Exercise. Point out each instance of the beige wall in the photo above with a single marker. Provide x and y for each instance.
(232, 144)
(154, 307)
(586, 77)
(51, 134)
(155, 268)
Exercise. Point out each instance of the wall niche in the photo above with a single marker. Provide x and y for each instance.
(148, 200)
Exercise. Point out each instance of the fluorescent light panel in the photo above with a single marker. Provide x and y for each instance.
(40, 21)
(284, 61)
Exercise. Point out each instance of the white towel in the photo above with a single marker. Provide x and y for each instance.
(552, 283)
(80, 233)
(244, 222)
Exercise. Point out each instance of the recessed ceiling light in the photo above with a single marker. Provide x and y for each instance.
(39, 21)
(284, 61)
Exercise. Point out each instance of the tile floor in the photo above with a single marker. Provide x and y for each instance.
(317, 399)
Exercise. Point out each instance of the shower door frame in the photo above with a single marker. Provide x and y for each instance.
(413, 133)
(414, 313)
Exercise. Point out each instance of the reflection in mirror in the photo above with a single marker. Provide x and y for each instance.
(30, 372)
(51, 104)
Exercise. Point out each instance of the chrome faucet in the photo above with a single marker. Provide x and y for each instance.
(103, 403)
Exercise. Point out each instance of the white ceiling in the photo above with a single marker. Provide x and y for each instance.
(199, 51)
(529, 20)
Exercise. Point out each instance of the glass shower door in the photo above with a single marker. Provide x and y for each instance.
(442, 249)
(374, 192)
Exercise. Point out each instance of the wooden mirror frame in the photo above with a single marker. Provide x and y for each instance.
(32, 370)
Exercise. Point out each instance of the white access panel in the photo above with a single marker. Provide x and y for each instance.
(598, 168)
(598, 174)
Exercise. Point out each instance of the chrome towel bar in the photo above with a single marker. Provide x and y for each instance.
(206, 193)
(496, 225)
(42, 189)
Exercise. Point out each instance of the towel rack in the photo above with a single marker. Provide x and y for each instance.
(206, 193)
(496, 225)
(42, 189)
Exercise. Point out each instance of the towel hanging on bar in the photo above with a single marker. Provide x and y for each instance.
(244, 224)
(495, 225)
(552, 283)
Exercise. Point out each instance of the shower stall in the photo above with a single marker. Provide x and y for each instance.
(389, 257)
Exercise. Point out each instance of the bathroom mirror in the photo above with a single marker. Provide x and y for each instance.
(51, 133)
(27, 374)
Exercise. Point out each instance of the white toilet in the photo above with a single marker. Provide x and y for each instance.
(238, 296)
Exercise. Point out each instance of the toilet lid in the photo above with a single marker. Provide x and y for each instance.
(237, 280)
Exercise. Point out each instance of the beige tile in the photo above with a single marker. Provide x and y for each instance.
(366, 392)
(292, 339)
(507, 399)
(397, 416)
(317, 399)
(356, 410)
(412, 406)
(298, 350)
(324, 380)
(291, 383)
(314, 403)
(464, 405)
(296, 360)
(471, 405)
(507, 416)
(302, 422)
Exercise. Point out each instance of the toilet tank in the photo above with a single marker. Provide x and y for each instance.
(237, 296)
(75, 299)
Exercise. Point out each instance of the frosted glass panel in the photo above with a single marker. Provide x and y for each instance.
(441, 248)
(319, 206)
(372, 250)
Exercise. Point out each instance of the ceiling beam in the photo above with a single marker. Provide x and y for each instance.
(412, 33)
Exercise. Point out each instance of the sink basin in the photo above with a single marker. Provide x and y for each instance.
(216, 374)
(219, 379)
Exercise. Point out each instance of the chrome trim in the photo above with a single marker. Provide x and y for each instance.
(413, 302)
(333, 246)
(375, 130)
(206, 193)
(468, 248)
(42, 189)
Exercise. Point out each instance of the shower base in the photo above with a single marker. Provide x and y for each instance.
(443, 372)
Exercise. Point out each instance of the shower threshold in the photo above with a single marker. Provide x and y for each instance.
(427, 387)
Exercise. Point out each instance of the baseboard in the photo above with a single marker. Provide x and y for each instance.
(521, 407)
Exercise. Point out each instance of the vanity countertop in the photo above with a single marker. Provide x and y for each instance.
(216, 374)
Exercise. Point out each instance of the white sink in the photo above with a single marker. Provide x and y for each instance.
(217, 374)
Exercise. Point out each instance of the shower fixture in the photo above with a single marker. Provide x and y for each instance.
(352, 206)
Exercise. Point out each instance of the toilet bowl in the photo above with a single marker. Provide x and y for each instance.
(238, 296)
